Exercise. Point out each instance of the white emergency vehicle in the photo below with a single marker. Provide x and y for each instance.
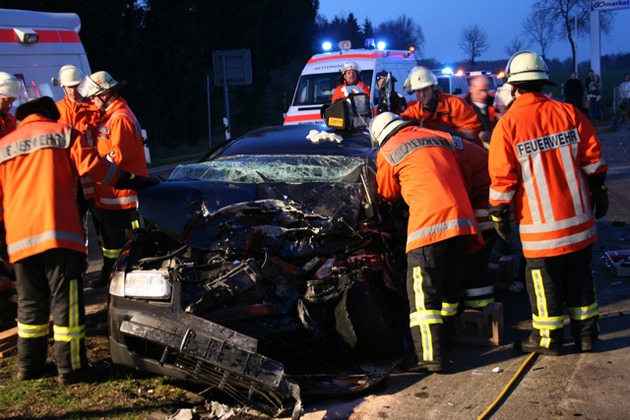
(322, 74)
(35, 45)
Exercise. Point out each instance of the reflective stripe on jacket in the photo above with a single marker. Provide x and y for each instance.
(421, 166)
(84, 117)
(120, 141)
(452, 114)
(39, 165)
(540, 154)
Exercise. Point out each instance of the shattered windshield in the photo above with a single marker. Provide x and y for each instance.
(274, 168)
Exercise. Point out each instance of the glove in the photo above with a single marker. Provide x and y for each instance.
(599, 194)
(129, 181)
(500, 216)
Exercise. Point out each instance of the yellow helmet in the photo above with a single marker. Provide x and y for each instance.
(70, 75)
(419, 78)
(9, 85)
(384, 125)
(527, 66)
(97, 84)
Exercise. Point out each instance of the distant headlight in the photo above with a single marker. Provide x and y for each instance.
(141, 284)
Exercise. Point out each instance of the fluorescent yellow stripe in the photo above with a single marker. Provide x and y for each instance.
(539, 292)
(135, 224)
(73, 322)
(32, 331)
(111, 253)
(583, 312)
(449, 309)
(425, 330)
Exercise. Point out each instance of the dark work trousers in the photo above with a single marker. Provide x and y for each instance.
(116, 226)
(553, 282)
(478, 286)
(434, 279)
(51, 282)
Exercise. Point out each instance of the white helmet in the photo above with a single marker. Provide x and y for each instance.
(9, 85)
(96, 84)
(419, 78)
(70, 75)
(350, 65)
(527, 66)
(384, 125)
(504, 95)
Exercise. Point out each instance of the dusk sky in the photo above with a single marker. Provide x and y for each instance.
(442, 24)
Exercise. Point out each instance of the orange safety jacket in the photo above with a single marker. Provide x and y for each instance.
(84, 117)
(40, 163)
(339, 92)
(7, 124)
(541, 152)
(473, 161)
(421, 166)
(120, 140)
(452, 114)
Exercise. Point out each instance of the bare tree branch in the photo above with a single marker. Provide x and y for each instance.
(515, 45)
(473, 41)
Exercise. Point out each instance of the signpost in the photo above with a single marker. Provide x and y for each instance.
(231, 68)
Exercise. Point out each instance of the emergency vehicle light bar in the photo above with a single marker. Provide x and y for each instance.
(26, 35)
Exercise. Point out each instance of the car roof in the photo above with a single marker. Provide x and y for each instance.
(292, 140)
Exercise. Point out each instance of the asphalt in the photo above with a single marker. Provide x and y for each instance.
(499, 383)
(573, 385)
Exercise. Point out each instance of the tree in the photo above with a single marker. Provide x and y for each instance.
(541, 29)
(515, 45)
(566, 13)
(473, 41)
(401, 33)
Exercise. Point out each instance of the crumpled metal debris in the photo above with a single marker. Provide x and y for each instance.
(319, 136)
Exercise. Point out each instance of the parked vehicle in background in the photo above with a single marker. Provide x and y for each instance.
(322, 72)
(450, 82)
(35, 45)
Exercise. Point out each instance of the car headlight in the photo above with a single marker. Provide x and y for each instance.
(141, 284)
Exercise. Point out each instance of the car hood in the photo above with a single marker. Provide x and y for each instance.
(311, 217)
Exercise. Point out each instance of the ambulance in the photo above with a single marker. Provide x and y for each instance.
(35, 45)
(322, 73)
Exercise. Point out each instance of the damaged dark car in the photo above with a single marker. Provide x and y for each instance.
(268, 271)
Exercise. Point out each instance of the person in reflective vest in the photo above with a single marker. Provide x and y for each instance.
(119, 139)
(546, 161)
(40, 163)
(420, 166)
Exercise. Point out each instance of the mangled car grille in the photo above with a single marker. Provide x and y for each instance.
(274, 284)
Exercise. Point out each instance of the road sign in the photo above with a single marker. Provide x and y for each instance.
(233, 66)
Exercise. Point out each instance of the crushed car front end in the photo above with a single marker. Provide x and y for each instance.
(258, 272)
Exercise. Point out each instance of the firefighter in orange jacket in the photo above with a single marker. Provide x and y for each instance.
(39, 167)
(438, 110)
(349, 77)
(120, 140)
(420, 166)
(83, 116)
(9, 91)
(546, 161)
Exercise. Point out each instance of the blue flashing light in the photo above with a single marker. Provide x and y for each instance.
(381, 45)
(326, 46)
(447, 70)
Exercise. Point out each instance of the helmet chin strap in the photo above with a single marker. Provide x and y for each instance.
(104, 99)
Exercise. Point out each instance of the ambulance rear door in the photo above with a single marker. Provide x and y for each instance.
(35, 45)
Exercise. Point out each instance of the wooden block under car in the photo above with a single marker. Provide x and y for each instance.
(482, 328)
